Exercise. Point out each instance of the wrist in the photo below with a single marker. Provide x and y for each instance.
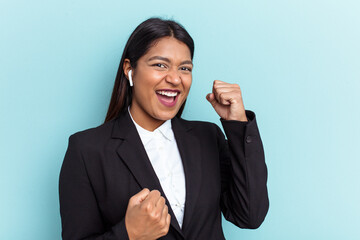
(130, 233)
(241, 118)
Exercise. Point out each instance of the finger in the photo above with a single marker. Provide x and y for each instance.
(161, 209)
(217, 94)
(160, 203)
(222, 85)
(220, 91)
(228, 98)
(167, 223)
(168, 220)
(139, 197)
(222, 99)
(211, 98)
(217, 90)
(227, 88)
(152, 198)
(218, 82)
(157, 212)
(164, 211)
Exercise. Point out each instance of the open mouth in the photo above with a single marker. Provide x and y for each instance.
(168, 97)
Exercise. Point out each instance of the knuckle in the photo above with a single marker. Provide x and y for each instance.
(165, 231)
(155, 216)
(155, 192)
(162, 223)
(132, 199)
(147, 207)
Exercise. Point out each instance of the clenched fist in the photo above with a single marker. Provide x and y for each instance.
(227, 101)
(147, 216)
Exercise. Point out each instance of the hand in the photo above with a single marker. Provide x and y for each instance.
(147, 216)
(227, 101)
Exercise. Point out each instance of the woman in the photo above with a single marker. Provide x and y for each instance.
(148, 174)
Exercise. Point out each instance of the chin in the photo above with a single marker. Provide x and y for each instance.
(166, 115)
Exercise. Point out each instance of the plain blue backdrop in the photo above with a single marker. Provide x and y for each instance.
(297, 63)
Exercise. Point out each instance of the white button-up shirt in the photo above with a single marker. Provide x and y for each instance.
(162, 150)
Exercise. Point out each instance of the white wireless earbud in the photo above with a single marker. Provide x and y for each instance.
(130, 78)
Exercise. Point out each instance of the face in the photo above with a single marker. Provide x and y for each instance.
(162, 81)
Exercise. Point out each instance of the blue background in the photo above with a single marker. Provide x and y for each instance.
(297, 63)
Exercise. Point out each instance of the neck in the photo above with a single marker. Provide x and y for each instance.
(144, 120)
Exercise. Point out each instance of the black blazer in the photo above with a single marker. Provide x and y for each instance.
(105, 166)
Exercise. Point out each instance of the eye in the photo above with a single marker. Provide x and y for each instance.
(186, 69)
(160, 65)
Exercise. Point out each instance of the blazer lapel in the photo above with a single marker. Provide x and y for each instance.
(189, 148)
(133, 153)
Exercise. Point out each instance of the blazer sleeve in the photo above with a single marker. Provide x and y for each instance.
(80, 214)
(244, 197)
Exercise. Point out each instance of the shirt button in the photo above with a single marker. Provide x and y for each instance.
(248, 139)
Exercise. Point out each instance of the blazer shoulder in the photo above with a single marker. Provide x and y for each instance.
(93, 136)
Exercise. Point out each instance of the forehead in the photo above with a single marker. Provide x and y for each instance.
(169, 47)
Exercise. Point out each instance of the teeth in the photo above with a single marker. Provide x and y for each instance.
(168, 94)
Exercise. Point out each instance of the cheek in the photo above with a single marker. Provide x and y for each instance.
(144, 84)
(150, 80)
(187, 84)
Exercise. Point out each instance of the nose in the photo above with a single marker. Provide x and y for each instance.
(173, 77)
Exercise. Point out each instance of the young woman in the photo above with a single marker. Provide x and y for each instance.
(146, 173)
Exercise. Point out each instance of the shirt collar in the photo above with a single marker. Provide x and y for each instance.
(164, 129)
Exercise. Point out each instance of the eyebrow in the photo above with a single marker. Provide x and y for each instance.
(168, 60)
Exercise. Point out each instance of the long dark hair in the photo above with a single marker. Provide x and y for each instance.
(139, 42)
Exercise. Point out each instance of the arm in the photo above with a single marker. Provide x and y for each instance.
(244, 198)
(80, 215)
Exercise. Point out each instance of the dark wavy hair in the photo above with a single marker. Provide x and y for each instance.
(139, 42)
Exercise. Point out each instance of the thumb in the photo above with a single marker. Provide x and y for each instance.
(139, 197)
(211, 98)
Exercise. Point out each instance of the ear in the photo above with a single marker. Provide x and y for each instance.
(126, 67)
